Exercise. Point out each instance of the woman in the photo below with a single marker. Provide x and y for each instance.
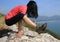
(18, 13)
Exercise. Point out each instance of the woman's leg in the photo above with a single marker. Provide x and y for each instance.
(19, 34)
(27, 21)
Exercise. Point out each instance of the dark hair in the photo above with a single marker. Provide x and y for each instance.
(32, 9)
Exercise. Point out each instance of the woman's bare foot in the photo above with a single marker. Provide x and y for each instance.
(19, 34)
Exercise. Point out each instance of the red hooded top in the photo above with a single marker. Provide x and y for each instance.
(15, 11)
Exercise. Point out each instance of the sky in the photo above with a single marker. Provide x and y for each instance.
(45, 7)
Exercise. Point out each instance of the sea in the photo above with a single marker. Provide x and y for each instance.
(54, 26)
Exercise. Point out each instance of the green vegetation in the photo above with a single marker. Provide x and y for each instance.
(2, 22)
(2, 18)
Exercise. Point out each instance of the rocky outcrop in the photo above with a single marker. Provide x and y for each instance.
(28, 36)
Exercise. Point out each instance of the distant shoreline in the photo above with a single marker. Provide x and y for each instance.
(49, 21)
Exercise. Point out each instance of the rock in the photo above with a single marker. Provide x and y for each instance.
(28, 32)
(45, 37)
(29, 36)
(13, 27)
(3, 39)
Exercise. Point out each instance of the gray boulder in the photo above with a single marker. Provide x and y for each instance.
(28, 36)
